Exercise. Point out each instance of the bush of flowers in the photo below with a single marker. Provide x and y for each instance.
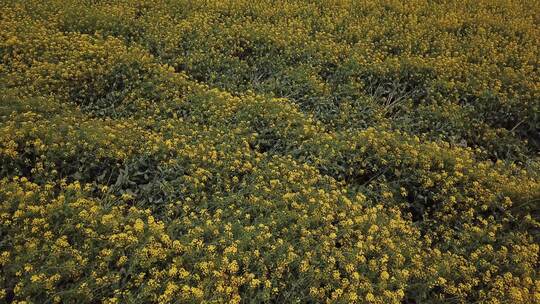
(260, 152)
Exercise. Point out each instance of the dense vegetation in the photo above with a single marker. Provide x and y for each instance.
(179, 151)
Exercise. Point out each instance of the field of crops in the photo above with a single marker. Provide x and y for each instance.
(257, 151)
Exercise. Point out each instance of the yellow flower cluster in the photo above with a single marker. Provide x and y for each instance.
(291, 152)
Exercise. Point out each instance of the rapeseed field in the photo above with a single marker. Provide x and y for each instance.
(256, 151)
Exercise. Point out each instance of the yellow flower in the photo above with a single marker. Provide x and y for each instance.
(233, 266)
(139, 225)
(370, 297)
(254, 283)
